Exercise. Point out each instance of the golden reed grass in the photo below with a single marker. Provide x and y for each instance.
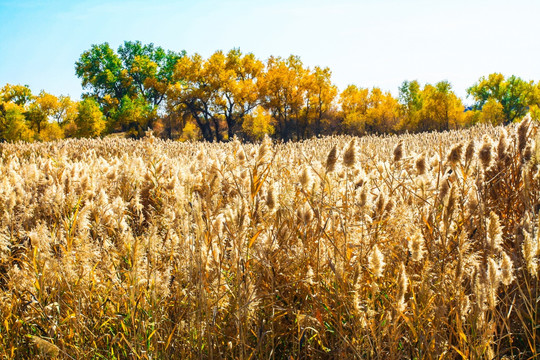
(414, 246)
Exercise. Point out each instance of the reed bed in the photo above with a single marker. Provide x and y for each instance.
(401, 247)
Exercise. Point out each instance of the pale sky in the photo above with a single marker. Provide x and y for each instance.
(366, 42)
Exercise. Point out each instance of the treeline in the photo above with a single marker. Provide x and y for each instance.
(180, 96)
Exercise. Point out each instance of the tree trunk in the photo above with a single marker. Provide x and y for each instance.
(219, 137)
(205, 129)
(230, 127)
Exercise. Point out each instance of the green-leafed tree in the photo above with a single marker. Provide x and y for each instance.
(150, 70)
(411, 102)
(133, 116)
(103, 76)
(140, 72)
(513, 94)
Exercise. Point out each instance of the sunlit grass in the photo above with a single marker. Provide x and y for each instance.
(418, 246)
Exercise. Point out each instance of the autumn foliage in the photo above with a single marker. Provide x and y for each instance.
(179, 96)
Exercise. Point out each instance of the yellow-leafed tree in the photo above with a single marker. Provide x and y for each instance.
(13, 125)
(354, 104)
(492, 113)
(90, 121)
(218, 92)
(441, 108)
(283, 94)
(369, 111)
(258, 124)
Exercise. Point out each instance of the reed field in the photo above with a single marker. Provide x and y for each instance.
(401, 247)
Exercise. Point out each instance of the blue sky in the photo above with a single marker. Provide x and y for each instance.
(366, 42)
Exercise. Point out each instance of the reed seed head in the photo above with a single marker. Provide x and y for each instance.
(376, 262)
(420, 164)
(523, 132)
(484, 154)
(507, 275)
(416, 246)
(331, 160)
(398, 151)
(494, 233)
(454, 157)
(470, 151)
(349, 157)
(306, 178)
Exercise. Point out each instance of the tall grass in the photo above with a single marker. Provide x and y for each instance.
(418, 246)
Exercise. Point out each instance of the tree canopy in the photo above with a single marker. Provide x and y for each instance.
(135, 75)
(513, 94)
(179, 96)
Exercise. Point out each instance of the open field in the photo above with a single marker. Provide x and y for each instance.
(417, 246)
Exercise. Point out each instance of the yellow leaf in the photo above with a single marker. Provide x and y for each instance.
(170, 337)
(254, 237)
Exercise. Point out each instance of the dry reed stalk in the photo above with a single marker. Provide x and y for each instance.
(157, 249)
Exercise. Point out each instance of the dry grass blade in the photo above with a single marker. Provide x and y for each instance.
(160, 249)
